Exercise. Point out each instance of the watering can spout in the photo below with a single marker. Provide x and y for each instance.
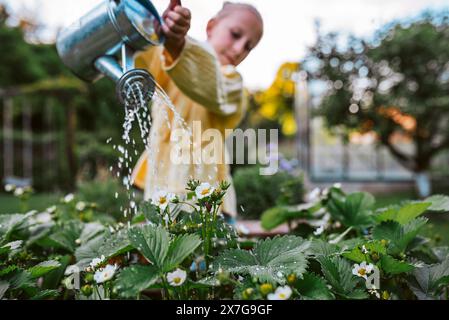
(103, 43)
(134, 86)
(109, 67)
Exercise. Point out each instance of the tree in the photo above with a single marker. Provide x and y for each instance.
(35, 71)
(274, 106)
(395, 85)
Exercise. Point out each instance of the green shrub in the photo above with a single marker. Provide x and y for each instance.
(257, 193)
(109, 195)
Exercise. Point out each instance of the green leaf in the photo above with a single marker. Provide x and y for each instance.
(357, 294)
(399, 237)
(270, 261)
(412, 228)
(53, 278)
(386, 214)
(13, 246)
(376, 247)
(273, 218)
(354, 210)
(206, 282)
(132, 280)
(20, 279)
(4, 285)
(109, 245)
(90, 231)
(115, 244)
(312, 287)
(150, 213)
(88, 251)
(338, 273)
(11, 222)
(441, 253)
(152, 242)
(439, 273)
(43, 268)
(426, 280)
(351, 243)
(411, 211)
(439, 203)
(8, 270)
(320, 247)
(180, 249)
(392, 266)
(404, 214)
(41, 295)
(67, 234)
(355, 255)
(276, 216)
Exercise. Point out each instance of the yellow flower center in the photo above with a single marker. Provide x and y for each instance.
(291, 278)
(362, 271)
(162, 200)
(177, 280)
(205, 191)
(282, 295)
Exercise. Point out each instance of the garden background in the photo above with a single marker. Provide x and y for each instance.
(356, 113)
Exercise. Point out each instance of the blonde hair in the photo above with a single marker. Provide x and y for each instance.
(229, 7)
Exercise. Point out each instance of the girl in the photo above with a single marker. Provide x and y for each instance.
(207, 92)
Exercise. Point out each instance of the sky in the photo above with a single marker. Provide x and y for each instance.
(289, 24)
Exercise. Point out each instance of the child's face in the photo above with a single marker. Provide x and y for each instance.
(234, 36)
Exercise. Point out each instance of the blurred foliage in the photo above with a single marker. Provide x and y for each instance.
(396, 86)
(108, 194)
(274, 108)
(35, 73)
(256, 193)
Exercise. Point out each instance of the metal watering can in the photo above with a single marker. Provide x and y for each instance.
(104, 41)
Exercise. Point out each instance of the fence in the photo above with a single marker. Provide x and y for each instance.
(37, 140)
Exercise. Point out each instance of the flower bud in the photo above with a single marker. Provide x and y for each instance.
(266, 288)
(86, 290)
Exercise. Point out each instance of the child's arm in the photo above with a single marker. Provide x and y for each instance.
(198, 74)
(175, 27)
(195, 69)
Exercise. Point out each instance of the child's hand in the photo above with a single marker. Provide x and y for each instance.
(175, 27)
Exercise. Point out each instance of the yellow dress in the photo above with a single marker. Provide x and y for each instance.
(205, 95)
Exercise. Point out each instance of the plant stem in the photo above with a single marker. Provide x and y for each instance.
(166, 292)
(98, 292)
(183, 202)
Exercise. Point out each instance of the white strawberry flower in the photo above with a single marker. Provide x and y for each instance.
(281, 293)
(96, 261)
(69, 198)
(18, 192)
(204, 190)
(51, 209)
(363, 269)
(9, 187)
(80, 206)
(43, 217)
(162, 198)
(177, 277)
(105, 273)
